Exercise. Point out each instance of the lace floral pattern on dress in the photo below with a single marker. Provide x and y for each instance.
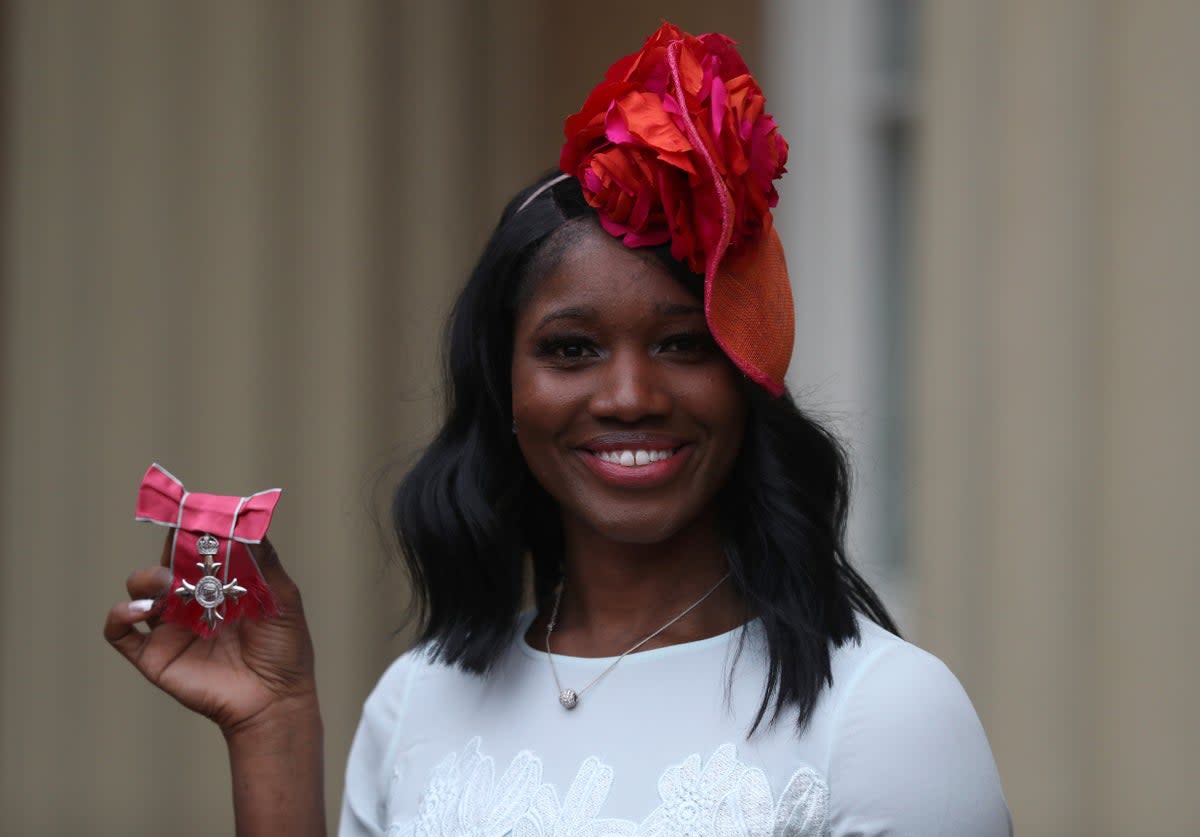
(720, 797)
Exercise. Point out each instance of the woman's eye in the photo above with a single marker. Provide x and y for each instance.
(566, 349)
(687, 343)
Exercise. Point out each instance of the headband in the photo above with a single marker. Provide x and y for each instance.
(548, 184)
(674, 146)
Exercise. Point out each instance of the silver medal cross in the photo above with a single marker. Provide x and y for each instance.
(209, 592)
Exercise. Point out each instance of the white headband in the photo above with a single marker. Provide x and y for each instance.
(541, 189)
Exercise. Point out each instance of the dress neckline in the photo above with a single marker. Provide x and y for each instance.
(696, 645)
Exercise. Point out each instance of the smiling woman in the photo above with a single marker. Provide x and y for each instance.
(701, 657)
(695, 609)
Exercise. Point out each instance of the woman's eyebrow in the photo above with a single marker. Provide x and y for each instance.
(573, 312)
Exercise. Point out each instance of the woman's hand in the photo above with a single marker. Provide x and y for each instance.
(255, 679)
(250, 673)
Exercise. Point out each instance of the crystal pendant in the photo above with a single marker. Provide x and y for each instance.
(568, 698)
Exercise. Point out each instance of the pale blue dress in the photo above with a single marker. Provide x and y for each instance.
(659, 747)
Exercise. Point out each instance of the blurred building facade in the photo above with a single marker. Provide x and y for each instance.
(231, 232)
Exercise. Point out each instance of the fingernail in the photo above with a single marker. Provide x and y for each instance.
(141, 605)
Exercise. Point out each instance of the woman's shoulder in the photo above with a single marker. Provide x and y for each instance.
(386, 703)
(882, 682)
(884, 677)
(419, 683)
(415, 672)
(878, 661)
(906, 743)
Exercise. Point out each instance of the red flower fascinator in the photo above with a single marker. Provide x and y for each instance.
(675, 146)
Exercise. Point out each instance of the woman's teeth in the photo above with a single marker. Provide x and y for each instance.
(634, 458)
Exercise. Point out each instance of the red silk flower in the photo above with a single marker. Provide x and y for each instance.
(648, 168)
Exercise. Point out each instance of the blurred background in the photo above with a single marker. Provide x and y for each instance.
(230, 232)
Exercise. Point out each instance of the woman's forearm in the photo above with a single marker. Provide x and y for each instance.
(277, 765)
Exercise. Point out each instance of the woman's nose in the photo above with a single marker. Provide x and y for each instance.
(630, 388)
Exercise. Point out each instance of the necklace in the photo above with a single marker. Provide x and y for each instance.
(569, 698)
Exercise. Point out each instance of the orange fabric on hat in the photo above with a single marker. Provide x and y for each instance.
(748, 306)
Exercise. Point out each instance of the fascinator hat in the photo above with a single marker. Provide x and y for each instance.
(674, 146)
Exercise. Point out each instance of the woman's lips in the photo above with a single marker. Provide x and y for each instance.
(644, 466)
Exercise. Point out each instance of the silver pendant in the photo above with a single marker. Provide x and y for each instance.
(568, 698)
(209, 592)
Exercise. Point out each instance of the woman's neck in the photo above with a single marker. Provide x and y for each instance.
(614, 594)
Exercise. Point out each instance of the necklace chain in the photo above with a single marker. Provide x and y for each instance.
(569, 698)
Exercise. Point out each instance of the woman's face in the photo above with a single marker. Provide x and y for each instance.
(627, 412)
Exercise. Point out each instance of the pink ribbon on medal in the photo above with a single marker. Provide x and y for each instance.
(215, 578)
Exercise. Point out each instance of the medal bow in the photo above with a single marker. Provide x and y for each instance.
(214, 577)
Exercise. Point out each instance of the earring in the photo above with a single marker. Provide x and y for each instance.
(514, 426)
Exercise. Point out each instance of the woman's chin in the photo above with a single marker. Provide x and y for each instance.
(635, 526)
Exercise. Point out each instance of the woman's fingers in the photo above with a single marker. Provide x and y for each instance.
(276, 577)
(146, 588)
(268, 563)
(120, 628)
(148, 582)
(165, 558)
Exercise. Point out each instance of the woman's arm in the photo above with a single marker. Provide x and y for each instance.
(277, 768)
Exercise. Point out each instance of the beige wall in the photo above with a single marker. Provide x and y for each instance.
(1057, 405)
(230, 234)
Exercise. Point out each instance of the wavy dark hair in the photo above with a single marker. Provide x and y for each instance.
(469, 512)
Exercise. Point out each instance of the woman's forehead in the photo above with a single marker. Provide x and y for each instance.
(598, 275)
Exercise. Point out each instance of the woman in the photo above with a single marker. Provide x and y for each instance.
(701, 657)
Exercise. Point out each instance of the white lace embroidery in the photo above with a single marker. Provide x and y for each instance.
(463, 798)
(721, 797)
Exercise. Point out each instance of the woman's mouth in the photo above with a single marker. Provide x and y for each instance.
(634, 458)
(636, 466)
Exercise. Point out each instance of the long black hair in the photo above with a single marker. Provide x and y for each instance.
(469, 512)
